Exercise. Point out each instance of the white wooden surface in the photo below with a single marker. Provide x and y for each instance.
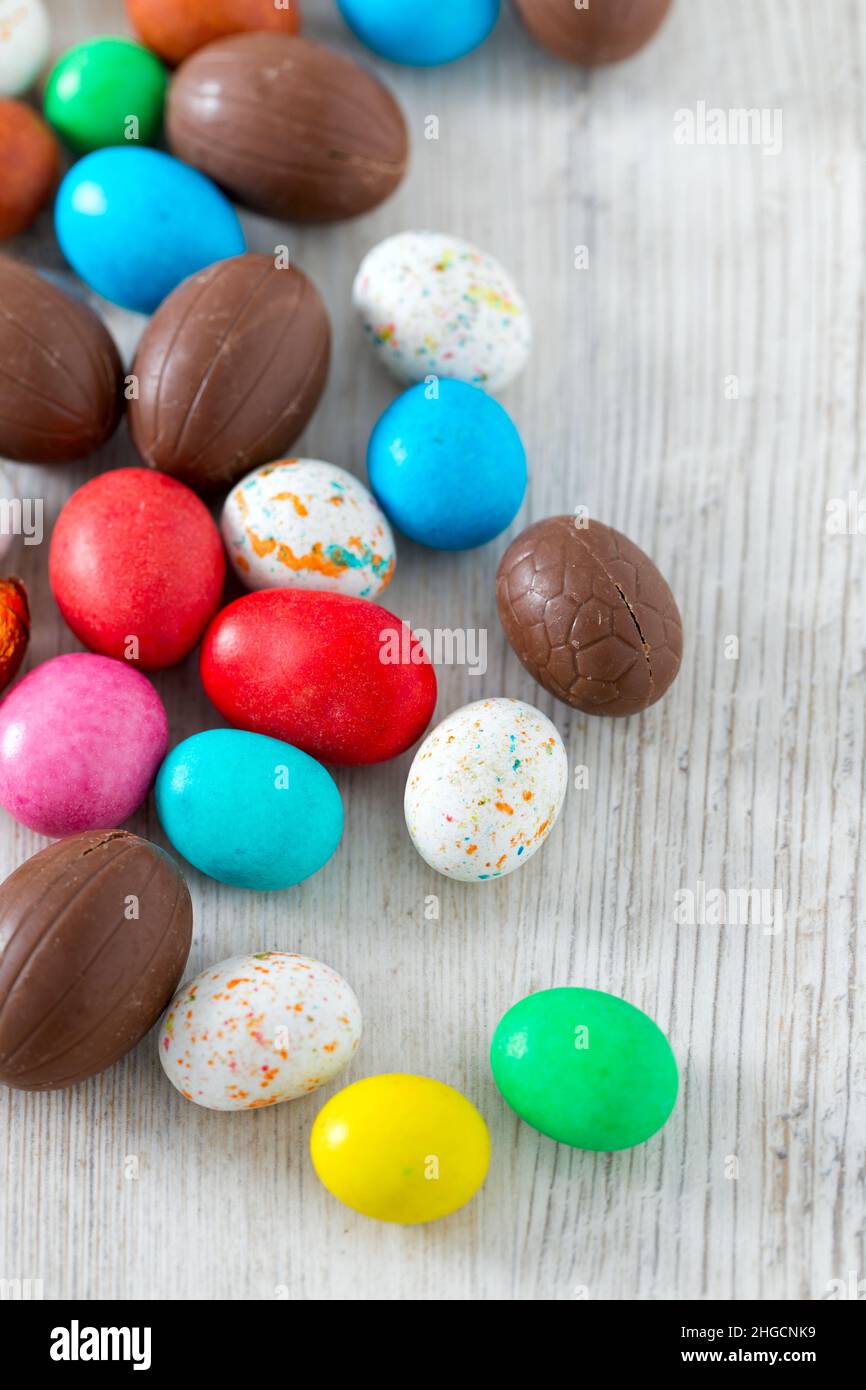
(705, 263)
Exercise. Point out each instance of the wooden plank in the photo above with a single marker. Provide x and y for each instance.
(705, 263)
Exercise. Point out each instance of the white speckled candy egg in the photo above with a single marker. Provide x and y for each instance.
(25, 41)
(305, 524)
(485, 789)
(432, 305)
(256, 1030)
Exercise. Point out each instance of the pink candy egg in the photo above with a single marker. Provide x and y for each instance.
(81, 738)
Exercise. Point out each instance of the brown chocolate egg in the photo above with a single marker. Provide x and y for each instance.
(60, 374)
(602, 31)
(288, 127)
(229, 371)
(95, 932)
(29, 166)
(589, 615)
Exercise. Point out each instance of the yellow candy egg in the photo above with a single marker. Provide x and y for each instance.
(401, 1148)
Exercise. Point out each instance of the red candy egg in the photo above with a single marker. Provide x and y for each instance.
(339, 677)
(137, 567)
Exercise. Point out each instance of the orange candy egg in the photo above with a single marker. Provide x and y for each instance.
(176, 28)
(29, 166)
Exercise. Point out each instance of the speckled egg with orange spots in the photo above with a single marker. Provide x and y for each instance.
(256, 1030)
(485, 789)
(306, 524)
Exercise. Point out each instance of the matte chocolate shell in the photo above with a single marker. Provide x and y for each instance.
(288, 127)
(60, 373)
(230, 369)
(590, 616)
(604, 31)
(82, 978)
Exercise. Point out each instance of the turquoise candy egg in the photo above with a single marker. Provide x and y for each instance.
(248, 810)
(133, 222)
(418, 33)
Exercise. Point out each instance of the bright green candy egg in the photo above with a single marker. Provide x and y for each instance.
(106, 92)
(585, 1068)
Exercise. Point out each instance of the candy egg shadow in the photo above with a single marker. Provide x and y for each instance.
(623, 1172)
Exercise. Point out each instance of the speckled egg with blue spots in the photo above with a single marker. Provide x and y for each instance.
(305, 524)
(485, 789)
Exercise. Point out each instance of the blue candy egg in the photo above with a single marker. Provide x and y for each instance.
(421, 33)
(248, 810)
(447, 465)
(135, 222)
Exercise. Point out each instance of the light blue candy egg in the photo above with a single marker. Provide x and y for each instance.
(135, 222)
(421, 33)
(447, 465)
(248, 810)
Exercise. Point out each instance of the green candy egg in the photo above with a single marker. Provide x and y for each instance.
(585, 1068)
(106, 92)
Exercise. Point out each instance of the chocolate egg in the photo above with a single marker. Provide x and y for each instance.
(230, 369)
(589, 615)
(596, 33)
(288, 127)
(60, 373)
(95, 931)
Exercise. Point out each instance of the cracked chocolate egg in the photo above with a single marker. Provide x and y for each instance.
(590, 616)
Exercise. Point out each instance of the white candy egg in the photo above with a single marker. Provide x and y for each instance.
(25, 41)
(256, 1030)
(305, 524)
(485, 789)
(432, 305)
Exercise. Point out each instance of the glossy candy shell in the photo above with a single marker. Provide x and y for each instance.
(134, 222)
(29, 166)
(418, 33)
(449, 470)
(95, 88)
(585, 1068)
(374, 1144)
(81, 738)
(136, 554)
(248, 810)
(306, 666)
(176, 28)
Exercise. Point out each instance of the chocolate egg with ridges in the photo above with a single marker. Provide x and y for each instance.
(589, 615)
(605, 31)
(60, 372)
(95, 932)
(229, 370)
(288, 127)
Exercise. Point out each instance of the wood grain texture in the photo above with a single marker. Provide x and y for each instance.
(705, 263)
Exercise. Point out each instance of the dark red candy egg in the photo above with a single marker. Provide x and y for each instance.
(137, 567)
(339, 677)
